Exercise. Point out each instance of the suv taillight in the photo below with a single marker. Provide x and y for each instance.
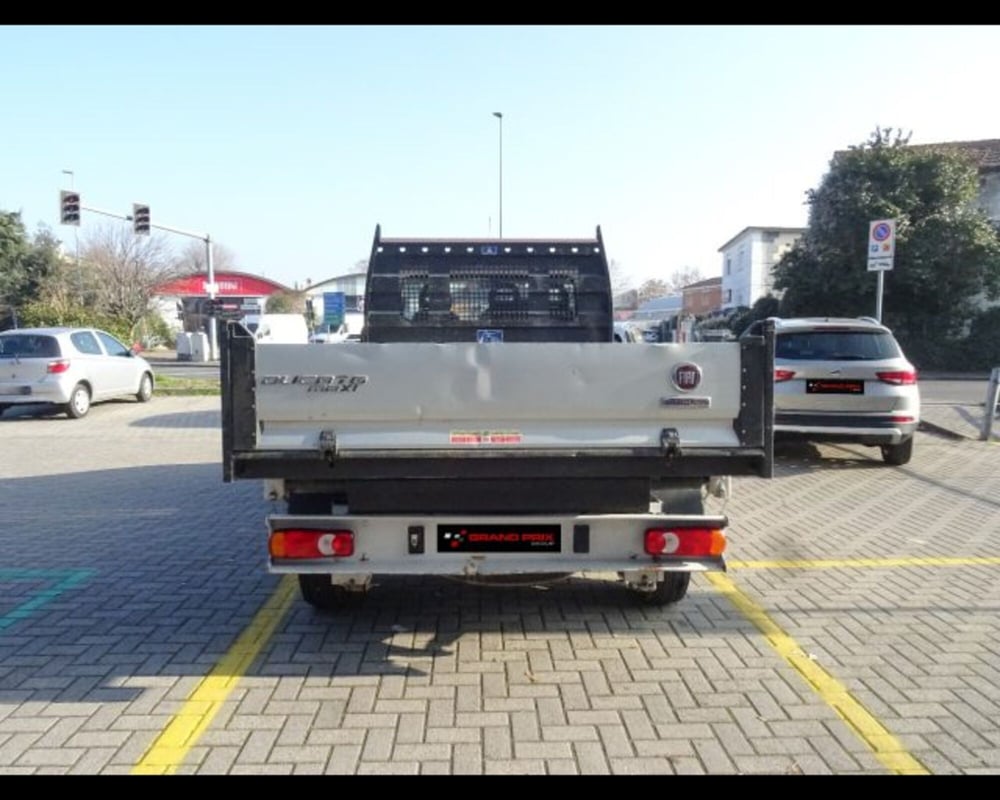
(57, 367)
(898, 377)
(783, 375)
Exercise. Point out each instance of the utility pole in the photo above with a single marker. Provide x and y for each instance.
(499, 116)
(210, 286)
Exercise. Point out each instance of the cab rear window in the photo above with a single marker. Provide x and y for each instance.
(23, 345)
(836, 346)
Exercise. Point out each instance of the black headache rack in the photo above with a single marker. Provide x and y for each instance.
(485, 479)
(468, 290)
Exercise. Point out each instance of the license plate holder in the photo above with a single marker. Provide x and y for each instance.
(519, 538)
(834, 386)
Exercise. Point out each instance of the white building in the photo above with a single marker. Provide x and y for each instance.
(351, 286)
(748, 261)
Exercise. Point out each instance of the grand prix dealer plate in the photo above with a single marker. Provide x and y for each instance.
(498, 538)
(834, 386)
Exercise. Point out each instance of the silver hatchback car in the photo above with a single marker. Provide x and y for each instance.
(69, 368)
(847, 380)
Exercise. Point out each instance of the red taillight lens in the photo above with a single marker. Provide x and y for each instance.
(783, 375)
(898, 377)
(902, 418)
(691, 542)
(57, 367)
(311, 544)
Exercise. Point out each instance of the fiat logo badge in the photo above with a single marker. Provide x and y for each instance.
(686, 376)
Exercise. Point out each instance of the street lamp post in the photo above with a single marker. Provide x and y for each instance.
(499, 116)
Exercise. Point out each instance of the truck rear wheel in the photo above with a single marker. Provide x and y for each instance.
(671, 589)
(674, 585)
(320, 593)
(317, 590)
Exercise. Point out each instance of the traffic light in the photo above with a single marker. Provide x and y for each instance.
(140, 219)
(69, 208)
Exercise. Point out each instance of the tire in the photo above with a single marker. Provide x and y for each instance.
(79, 402)
(674, 585)
(898, 454)
(670, 590)
(145, 392)
(322, 595)
(317, 590)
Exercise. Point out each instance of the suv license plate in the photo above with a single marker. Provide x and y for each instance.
(833, 386)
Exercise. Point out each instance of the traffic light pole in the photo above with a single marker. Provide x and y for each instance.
(105, 213)
(206, 238)
(210, 287)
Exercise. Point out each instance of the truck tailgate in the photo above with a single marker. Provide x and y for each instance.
(558, 395)
(359, 410)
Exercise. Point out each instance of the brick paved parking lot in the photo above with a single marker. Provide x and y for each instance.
(856, 631)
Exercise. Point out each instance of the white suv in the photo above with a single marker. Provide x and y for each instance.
(846, 380)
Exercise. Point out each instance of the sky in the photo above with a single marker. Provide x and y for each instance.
(288, 145)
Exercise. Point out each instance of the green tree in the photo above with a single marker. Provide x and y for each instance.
(25, 262)
(286, 303)
(947, 251)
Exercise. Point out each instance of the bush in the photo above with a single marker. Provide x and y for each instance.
(982, 347)
(37, 315)
(153, 331)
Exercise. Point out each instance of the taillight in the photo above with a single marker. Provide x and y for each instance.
(57, 367)
(692, 542)
(783, 375)
(898, 377)
(311, 544)
(902, 418)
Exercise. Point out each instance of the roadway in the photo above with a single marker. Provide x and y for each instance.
(856, 631)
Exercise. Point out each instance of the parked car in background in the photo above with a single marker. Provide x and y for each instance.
(844, 380)
(69, 368)
(624, 332)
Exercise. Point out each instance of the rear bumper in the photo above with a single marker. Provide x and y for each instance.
(872, 429)
(41, 392)
(418, 545)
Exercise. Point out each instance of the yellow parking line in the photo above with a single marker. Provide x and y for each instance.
(184, 729)
(840, 563)
(887, 749)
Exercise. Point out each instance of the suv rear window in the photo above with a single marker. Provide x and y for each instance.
(836, 346)
(28, 345)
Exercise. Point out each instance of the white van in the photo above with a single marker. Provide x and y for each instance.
(278, 328)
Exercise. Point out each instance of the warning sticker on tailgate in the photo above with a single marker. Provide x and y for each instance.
(484, 437)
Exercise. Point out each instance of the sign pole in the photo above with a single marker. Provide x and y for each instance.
(878, 295)
(881, 254)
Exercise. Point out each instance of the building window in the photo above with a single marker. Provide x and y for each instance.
(729, 295)
(729, 265)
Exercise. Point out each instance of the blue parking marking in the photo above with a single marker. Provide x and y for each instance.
(63, 580)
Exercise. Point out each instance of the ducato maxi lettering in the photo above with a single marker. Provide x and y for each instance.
(317, 383)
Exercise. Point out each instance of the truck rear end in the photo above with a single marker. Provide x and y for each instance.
(488, 425)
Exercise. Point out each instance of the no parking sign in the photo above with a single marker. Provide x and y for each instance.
(881, 244)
